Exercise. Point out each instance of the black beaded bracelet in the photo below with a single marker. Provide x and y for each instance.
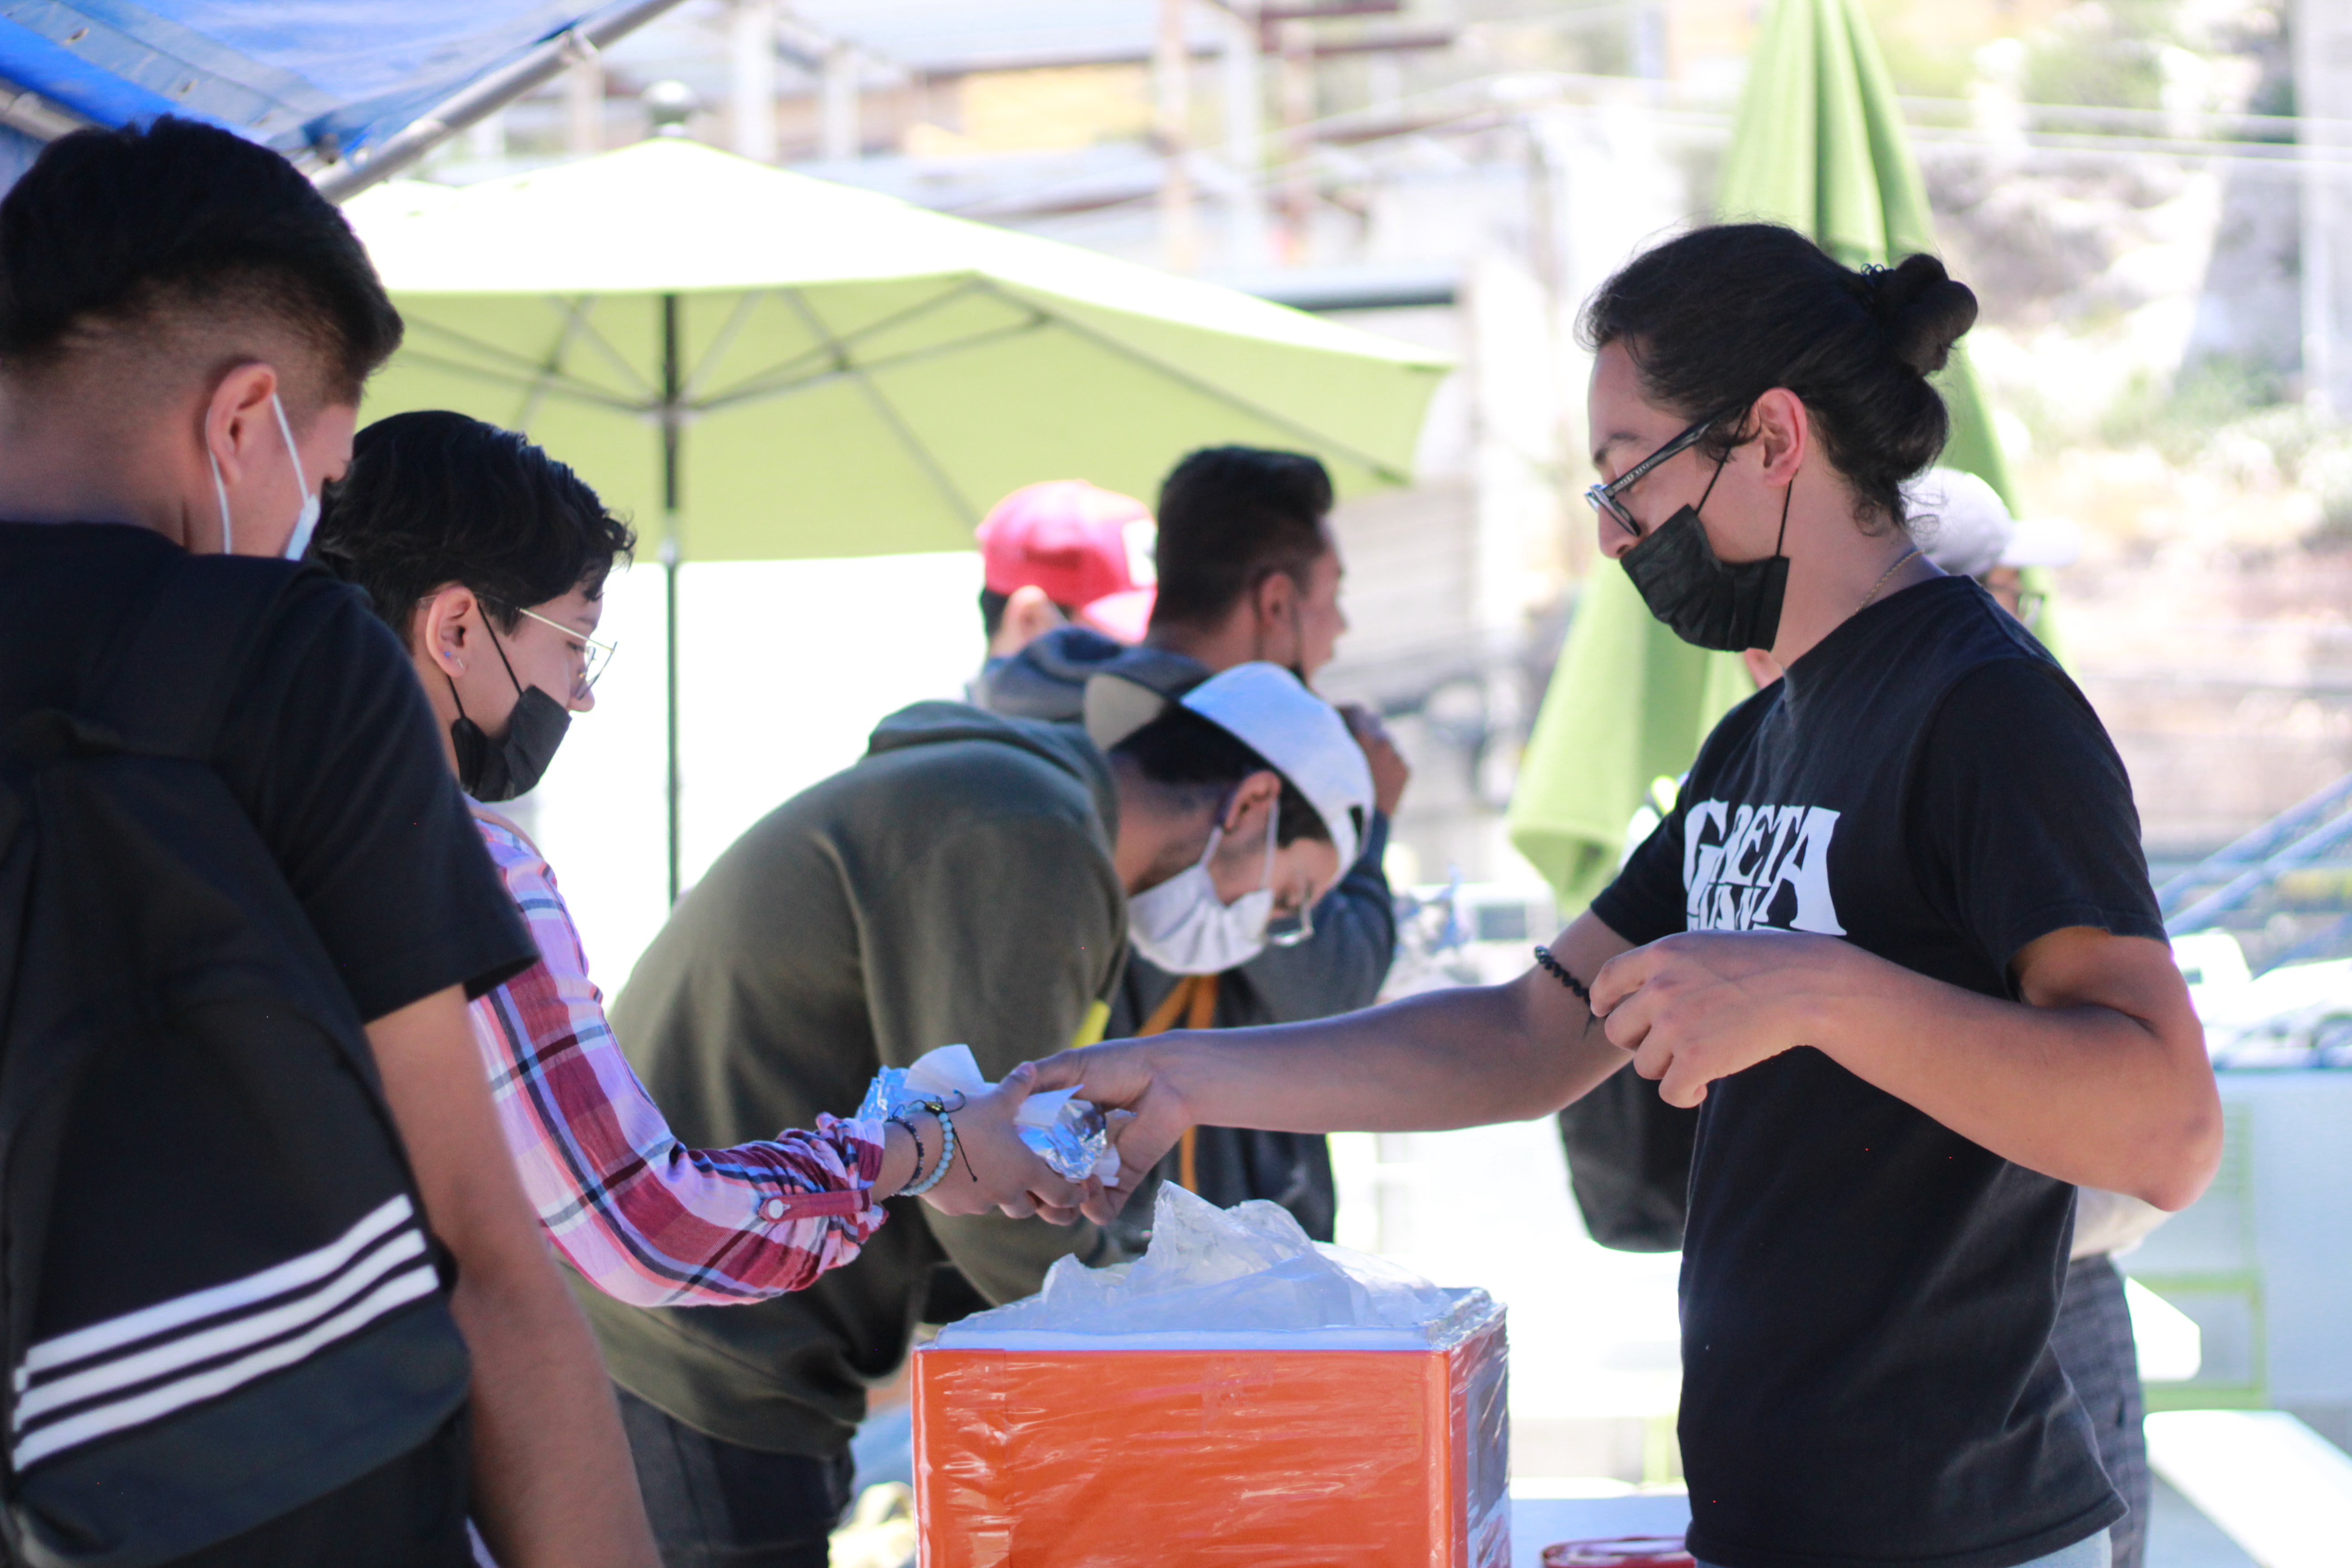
(916, 1173)
(1558, 971)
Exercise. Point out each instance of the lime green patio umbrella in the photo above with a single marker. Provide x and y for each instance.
(758, 365)
(1817, 145)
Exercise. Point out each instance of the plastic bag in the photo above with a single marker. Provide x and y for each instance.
(1068, 1133)
(1249, 1269)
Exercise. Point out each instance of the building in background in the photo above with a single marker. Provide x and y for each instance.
(2122, 183)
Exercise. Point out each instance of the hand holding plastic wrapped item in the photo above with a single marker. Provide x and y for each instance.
(1146, 1111)
(1021, 1152)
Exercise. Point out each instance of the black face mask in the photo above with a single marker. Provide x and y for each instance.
(500, 770)
(1709, 603)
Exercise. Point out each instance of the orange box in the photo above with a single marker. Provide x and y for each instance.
(1190, 1450)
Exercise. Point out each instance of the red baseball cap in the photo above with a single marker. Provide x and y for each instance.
(1066, 536)
(1123, 617)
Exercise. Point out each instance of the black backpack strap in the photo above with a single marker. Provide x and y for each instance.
(175, 672)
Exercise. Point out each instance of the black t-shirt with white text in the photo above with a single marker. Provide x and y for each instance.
(1867, 1296)
(327, 744)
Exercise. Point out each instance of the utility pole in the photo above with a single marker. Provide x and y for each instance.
(1647, 19)
(2323, 84)
(583, 101)
(1244, 136)
(754, 48)
(838, 135)
(1384, 84)
(1297, 53)
(1172, 126)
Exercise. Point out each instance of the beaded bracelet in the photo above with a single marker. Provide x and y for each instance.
(1558, 971)
(917, 1134)
(947, 1154)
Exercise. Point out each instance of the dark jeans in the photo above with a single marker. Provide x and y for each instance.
(717, 1505)
(409, 1513)
(2093, 1340)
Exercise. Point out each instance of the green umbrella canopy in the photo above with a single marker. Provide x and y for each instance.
(840, 372)
(1818, 144)
(757, 365)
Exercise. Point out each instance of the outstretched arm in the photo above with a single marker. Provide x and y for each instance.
(1449, 1058)
(642, 1216)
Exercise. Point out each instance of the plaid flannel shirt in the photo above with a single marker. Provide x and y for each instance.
(649, 1221)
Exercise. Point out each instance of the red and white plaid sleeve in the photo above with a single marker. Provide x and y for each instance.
(650, 1221)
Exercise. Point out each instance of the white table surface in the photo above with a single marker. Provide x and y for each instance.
(1538, 1522)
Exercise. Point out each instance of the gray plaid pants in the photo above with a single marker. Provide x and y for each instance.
(2094, 1342)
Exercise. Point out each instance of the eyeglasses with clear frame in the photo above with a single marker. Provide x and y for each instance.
(1602, 498)
(595, 656)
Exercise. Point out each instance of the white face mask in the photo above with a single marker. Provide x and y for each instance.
(306, 521)
(1185, 929)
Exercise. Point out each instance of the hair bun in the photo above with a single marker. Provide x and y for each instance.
(1923, 309)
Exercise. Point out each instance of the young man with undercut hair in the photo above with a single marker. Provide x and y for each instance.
(1248, 564)
(274, 1297)
(1248, 570)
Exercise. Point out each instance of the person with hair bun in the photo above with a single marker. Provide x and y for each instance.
(1895, 941)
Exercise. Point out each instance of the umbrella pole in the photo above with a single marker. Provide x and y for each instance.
(671, 558)
(669, 678)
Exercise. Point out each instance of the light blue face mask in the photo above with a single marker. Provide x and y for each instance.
(306, 521)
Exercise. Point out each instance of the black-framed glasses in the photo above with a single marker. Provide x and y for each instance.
(1602, 498)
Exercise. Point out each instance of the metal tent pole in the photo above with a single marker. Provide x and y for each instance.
(486, 96)
(672, 556)
(36, 116)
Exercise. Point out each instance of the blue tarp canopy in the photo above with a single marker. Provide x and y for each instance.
(290, 73)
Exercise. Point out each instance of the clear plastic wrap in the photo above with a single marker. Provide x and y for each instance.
(1066, 1132)
(1170, 1439)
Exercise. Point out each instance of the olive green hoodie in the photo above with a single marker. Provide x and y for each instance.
(955, 884)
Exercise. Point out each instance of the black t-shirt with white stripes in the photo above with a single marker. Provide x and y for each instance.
(237, 1300)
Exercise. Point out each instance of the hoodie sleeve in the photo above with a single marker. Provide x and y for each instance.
(1003, 935)
(1342, 966)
